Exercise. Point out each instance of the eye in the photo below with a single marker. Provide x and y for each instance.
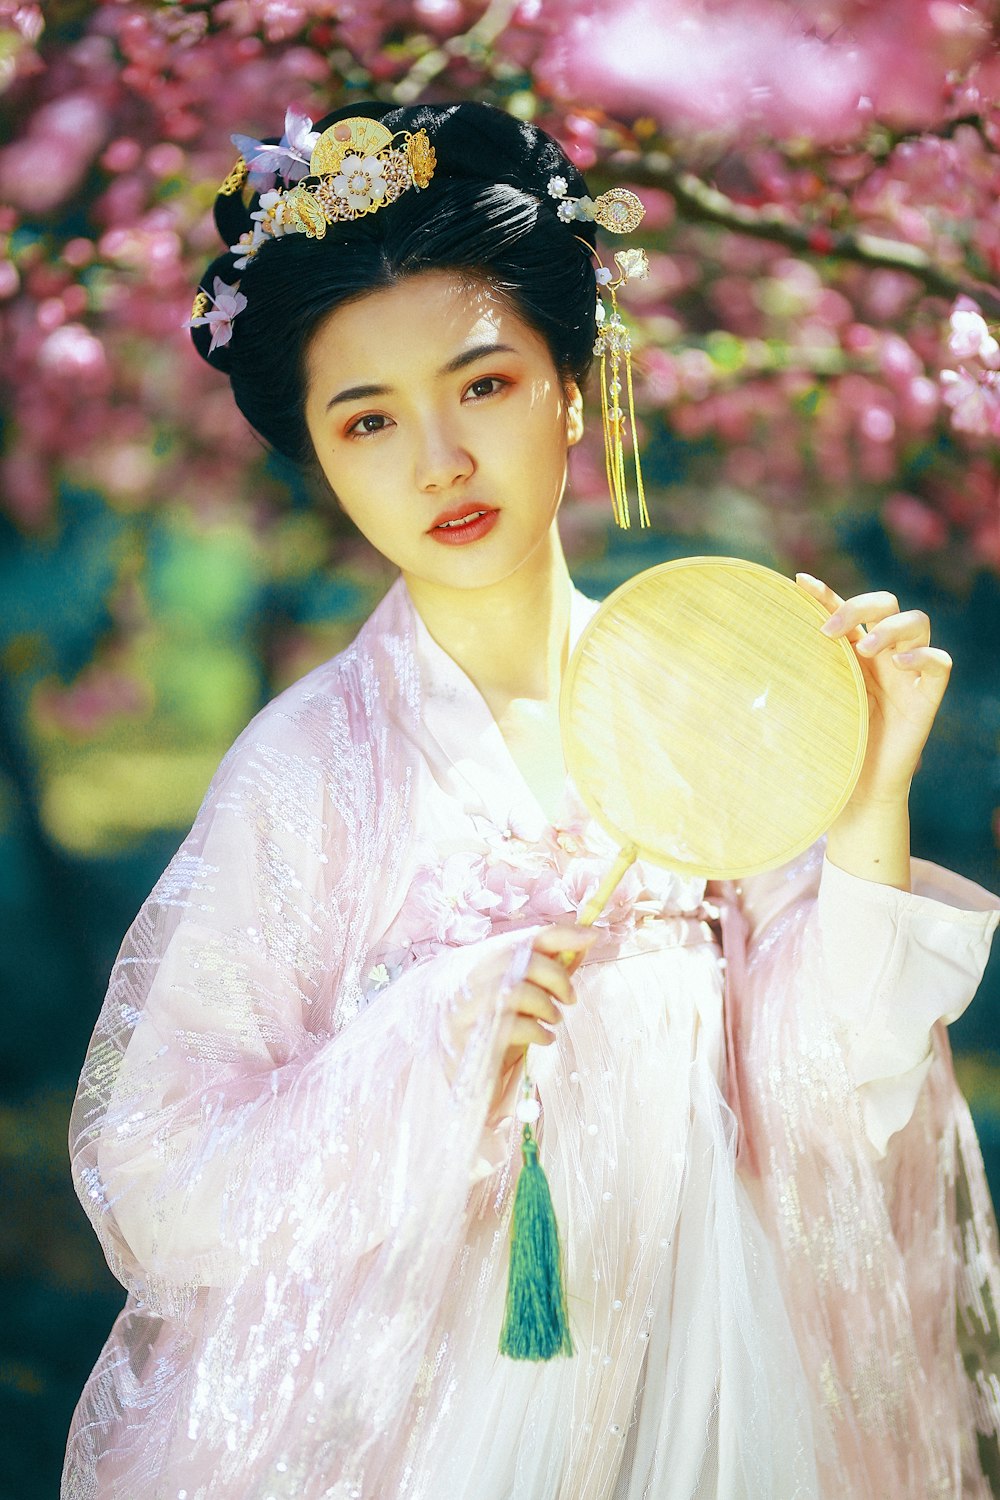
(486, 385)
(368, 425)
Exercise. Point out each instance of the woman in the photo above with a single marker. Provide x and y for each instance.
(294, 1129)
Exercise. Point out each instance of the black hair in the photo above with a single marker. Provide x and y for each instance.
(487, 212)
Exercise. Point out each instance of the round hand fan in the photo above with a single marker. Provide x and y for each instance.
(707, 723)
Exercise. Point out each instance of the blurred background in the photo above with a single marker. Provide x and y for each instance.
(818, 388)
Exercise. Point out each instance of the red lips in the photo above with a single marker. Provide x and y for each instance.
(458, 513)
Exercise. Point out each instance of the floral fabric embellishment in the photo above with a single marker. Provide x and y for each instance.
(513, 879)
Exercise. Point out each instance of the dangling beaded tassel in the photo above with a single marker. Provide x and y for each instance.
(614, 346)
(536, 1321)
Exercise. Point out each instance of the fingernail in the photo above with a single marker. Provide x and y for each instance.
(904, 656)
(869, 644)
(833, 624)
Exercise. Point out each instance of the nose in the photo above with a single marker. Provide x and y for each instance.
(442, 460)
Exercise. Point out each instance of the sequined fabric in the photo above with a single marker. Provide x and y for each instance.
(308, 1202)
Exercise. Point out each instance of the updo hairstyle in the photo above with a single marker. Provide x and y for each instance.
(486, 212)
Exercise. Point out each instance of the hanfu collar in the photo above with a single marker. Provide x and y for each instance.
(455, 712)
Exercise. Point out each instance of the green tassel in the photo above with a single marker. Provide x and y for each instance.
(536, 1323)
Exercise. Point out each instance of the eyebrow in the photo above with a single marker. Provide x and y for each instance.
(468, 357)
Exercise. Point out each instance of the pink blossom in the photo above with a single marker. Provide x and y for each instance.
(970, 338)
(974, 400)
(443, 17)
(41, 170)
(757, 62)
(27, 487)
(99, 695)
(73, 353)
(121, 155)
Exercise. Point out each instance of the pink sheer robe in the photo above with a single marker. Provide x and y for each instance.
(309, 1206)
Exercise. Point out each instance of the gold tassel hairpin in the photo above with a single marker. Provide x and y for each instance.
(620, 212)
(614, 348)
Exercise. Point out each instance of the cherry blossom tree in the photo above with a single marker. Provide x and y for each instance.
(823, 191)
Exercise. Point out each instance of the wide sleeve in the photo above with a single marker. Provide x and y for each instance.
(895, 964)
(281, 1165)
(242, 1106)
(859, 1154)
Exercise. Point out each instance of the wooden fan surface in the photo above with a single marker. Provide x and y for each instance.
(707, 722)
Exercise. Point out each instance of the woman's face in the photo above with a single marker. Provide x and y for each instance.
(432, 402)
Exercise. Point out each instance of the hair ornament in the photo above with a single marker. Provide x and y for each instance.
(614, 349)
(355, 167)
(620, 211)
(262, 164)
(228, 300)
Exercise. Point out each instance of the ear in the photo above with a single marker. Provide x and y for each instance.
(574, 413)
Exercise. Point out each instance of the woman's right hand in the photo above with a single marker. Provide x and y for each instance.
(531, 1007)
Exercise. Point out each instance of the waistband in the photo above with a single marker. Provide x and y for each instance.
(651, 934)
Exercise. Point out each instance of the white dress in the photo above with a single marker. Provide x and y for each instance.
(331, 1332)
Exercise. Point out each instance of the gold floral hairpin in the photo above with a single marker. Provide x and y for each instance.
(356, 167)
(307, 181)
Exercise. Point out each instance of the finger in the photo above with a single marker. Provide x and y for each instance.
(563, 938)
(819, 590)
(930, 666)
(550, 975)
(566, 943)
(833, 601)
(902, 632)
(858, 611)
(529, 1000)
(524, 1032)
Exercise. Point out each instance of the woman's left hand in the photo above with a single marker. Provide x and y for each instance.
(906, 679)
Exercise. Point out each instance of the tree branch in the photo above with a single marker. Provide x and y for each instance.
(477, 40)
(699, 202)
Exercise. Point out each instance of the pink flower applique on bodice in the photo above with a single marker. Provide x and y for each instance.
(511, 877)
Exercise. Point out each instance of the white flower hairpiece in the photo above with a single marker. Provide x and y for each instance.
(618, 210)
